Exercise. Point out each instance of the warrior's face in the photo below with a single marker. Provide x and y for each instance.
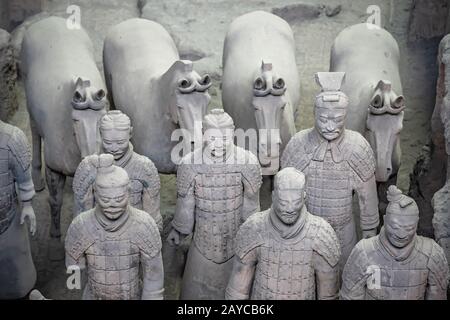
(329, 122)
(112, 201)
(218, 141)
(287, 204)
(116, 142)
(400, 229)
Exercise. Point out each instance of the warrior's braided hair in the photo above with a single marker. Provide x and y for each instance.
(115, 119)
(400, 203)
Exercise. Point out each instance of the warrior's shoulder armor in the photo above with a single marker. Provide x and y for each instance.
(145, 232)
(437, 262)
(299, 150)
(251, 233)
(80, 235)
(251, 169)
(360, 154)
(186, 173)
(18, 144)
(326, 243)
(144, 170)
(357, 262)
(84, 176)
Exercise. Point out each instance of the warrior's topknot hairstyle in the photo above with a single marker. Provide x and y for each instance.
(109, 175)
(400, 203)
(115, 119)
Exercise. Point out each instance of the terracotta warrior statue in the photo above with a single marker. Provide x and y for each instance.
(116, 131)
(397, 264)
(118, 245)
(285, 252)
(17, 271)
(218, 189)
(336, 163)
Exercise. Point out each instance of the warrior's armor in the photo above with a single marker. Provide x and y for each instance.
(144, 184)
(211, 199)
(113, 258)
(287, 268)
(17, 272)
(335, 169)
(372, 273)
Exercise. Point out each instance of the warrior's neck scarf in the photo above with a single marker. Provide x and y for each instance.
(399, 254)
(288, 231)
(112, 225)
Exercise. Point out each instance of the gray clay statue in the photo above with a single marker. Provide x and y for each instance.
(116, 131)
(397, 264)
(66, 97)
(118, 246)
(285, 252)
(370, 58)
(157, 90)
(260, 85)
(218, 188)
(336, 162)
(17, 271)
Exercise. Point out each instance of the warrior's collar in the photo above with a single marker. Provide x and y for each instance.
(397, 253)
(288, 231)
(210, 159)
(122, 162)
(111, 225)
(322, 145)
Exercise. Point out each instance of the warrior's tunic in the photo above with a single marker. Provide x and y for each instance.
(114, 253)
(17, 271)
(213, 200)
(416, 272)
(334, 170)
(280, 262)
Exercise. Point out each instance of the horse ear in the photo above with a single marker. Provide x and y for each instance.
(78, 81)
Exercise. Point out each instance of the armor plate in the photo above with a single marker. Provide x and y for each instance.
(219, 199)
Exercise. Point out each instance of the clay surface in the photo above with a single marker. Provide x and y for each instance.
(66, 97)
(17, 271)
(260, 83)
(116, 131)
(157, 90)
(336, 162)
(217, 189)
(397, 264)
(285, 252)
(116, 245)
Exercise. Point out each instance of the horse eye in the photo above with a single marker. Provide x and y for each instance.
(376, 101)
(399, 102)
(259, 84)
(99, 95)
(184, 83)
(206, 79)
(78, 97)
(279, 84)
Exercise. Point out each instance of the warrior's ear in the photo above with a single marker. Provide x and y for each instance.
(131, 131)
